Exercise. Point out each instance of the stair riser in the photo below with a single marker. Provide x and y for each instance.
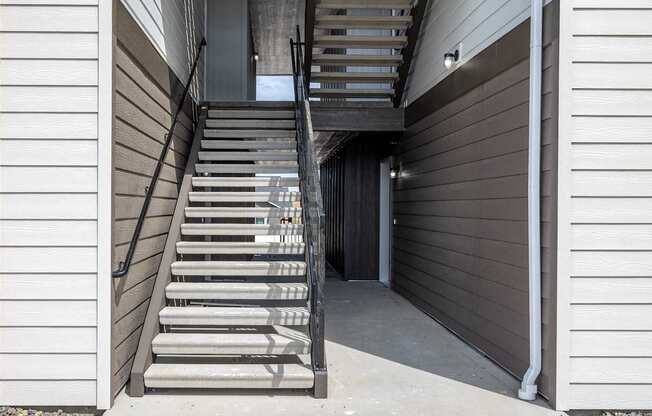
(296, 348)
(237, 382)
(298, 294)
(250, 124)
(207, 271)
(238, 321)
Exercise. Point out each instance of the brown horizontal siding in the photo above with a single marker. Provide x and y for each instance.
(146, 92)
(460, 203)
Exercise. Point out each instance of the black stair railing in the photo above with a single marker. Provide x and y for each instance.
(313, 217)
(123, 268)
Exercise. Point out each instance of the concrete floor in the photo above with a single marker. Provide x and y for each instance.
(385, 357)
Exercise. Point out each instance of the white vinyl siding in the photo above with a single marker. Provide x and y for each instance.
(449, 24)
(174, 28)
(605, 205)
(49, 146)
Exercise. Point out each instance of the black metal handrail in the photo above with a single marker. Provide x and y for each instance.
(313, 215)
(123, 268)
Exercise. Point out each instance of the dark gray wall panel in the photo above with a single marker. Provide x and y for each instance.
(460, 202)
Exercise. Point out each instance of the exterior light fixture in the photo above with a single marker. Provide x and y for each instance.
(450, 58)
(255, 57)
(393, 174)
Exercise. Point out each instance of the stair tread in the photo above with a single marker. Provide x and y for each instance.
(240, 212)
(253, 133)
(234, 316)
(286, 167)
(352, 92)
(354, 76)
(325, 21)
(236, 290)
(359, 41)
(249, 144)
(297, 376)
(282, 341)
(266, 181)
(248, 156)
(250, 124)
(238, 268)
(256, 196)
(203, 247)
(357, 60)
(252, 114)
(364, 4)
(241, 229)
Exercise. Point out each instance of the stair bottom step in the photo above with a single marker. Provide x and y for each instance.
(229, 376)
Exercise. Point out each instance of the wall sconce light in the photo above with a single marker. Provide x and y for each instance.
(450, 58)
(393, 174)
(255, 57)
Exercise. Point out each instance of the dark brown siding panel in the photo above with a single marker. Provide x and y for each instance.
(146, 92)
(460, 202)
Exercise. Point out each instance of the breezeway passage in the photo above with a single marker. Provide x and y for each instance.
(385, 357)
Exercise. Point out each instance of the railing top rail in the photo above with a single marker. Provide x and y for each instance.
(123, 269)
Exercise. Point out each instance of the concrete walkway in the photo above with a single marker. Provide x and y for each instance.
(385, 357)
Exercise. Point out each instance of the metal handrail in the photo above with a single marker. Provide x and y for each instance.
(123, 268)
(313, 215)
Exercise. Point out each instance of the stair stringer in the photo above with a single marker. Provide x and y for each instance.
(151, 327)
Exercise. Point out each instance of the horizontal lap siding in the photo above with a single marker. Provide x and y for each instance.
(146, 92)
(447, 24)
(605, 236)
(460, 209)
(48, 203)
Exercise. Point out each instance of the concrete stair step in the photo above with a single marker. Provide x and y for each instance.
(267, 168)
(249, 144)
(238, 268)
(252, 114)
(248, 156)
(241, 229)
(281, 196)
(250, 124)
(208, 247)
(360, 42)
(354, 77)
(357, 60)
(241, 212)
(236, 291)
(352, 92)
(229, 376)
(330, 21)
(364, 4)
(234, 316)
(249, 134)
(244, 182)
(284, 341)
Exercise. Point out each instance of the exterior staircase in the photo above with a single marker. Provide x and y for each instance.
(236, 304)
(358, 46)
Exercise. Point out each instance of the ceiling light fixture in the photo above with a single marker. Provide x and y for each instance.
(450, 58)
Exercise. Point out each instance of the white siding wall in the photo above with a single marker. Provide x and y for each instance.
(49, 212)
(175, 28)
(447, 24)
(605, 205)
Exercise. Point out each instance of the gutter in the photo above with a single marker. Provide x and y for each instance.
(528, 390)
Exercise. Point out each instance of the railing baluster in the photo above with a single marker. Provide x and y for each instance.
(312, 215)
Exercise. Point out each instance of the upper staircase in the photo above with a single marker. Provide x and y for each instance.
(236, 304)
(358, 46)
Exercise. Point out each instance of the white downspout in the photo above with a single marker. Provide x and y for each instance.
(528, 390)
